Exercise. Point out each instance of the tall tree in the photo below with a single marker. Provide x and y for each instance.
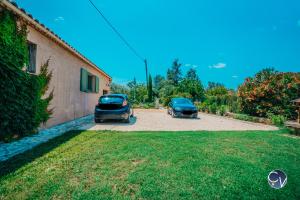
(158, 82)
(192, 74)
(150, 89)
(192, 85)
(212, 85)
(174, 75)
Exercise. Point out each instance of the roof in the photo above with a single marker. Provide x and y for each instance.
(20, 12)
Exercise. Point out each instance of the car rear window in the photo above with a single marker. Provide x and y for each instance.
(111, 99)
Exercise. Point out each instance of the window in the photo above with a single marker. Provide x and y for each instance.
(105, 92)
(111, 100)
(88, 82)
(182, 101)
(32, 57)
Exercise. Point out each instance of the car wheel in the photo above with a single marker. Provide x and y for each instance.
(132, 113)
(127, 120)
(173, 114)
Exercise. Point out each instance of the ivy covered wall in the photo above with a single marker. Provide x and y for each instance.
(22, 106)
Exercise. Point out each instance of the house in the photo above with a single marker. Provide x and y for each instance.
(77, 82)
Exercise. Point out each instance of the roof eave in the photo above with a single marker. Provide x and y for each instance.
(40, 27)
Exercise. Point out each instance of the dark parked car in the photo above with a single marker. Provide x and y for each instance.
(182, 107)
(113, 107)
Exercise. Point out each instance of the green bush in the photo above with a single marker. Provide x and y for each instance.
(22, 107)
(144, 105)
(212, 108)
(222, 110)
(202, 107)
(234, 106)
(245, 117)
(277, 120)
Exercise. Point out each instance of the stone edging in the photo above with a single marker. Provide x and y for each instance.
(8, 150)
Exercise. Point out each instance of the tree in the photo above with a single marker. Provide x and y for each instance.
(132, 86)
(150, 89)
(265, 74)
(141, 93)
(212, 85)
(158, 82)
(174, 75)
(192, 75)
(217, 91)
(270, 92)
(119, 89)
(192, 85)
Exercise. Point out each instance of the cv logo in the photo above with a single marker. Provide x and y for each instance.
(277, 179)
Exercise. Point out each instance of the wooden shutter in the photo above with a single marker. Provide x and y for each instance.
(83, 80)
(97, 84)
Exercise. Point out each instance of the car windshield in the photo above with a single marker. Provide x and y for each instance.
(182, 101)
(111, 99)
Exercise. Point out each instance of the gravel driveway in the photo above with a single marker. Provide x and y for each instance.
(159, 120)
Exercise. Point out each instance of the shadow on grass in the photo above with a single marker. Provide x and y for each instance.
(16, 162)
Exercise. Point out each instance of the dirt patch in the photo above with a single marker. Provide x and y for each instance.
(137, 162)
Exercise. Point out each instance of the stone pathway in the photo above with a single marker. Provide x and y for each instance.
(8, 150)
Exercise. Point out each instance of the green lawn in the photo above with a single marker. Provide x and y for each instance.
(154, 165)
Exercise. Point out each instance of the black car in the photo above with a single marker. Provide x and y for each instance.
(182, 107)
(113, 107)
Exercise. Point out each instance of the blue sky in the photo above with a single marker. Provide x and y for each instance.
(225, 41)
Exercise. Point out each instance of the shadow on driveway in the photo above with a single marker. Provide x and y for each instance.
(118, 122)
(16, 162)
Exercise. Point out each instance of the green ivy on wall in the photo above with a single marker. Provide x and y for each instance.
(22, 107)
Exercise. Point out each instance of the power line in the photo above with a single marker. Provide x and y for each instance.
(117, 32)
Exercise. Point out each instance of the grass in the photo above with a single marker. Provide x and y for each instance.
(154, 165)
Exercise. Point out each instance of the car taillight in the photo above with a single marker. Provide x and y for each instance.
(124, 103)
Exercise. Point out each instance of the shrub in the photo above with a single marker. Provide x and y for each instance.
(270, 91)
(212, 108)
(144, 105)
(245, 117)
(218, 95)
(277, 120)
(222, 110)
(202, 106)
